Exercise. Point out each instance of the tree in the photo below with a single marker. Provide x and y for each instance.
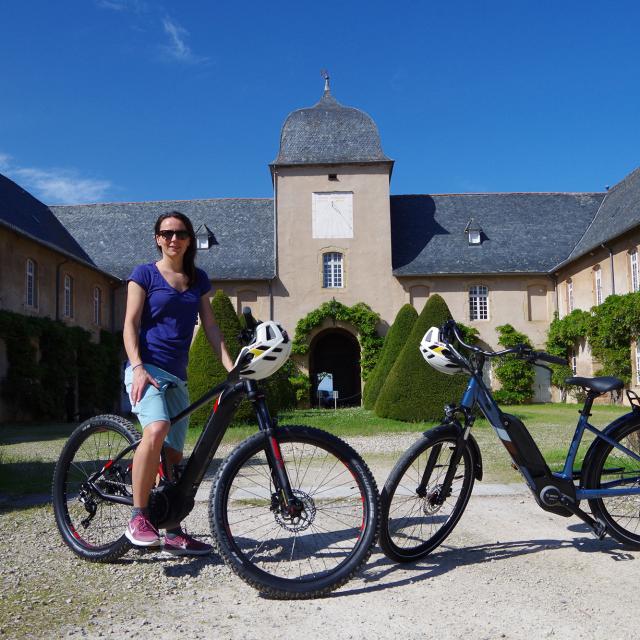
(206, 370)
(393, 343)
(516, 376)
(414, 391)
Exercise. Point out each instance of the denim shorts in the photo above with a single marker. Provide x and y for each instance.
(162, 404)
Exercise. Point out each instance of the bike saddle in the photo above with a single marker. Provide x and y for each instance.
(601, 384)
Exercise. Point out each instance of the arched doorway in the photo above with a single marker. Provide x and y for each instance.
(337, 352)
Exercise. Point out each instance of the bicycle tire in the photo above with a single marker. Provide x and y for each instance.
(327, 546)
(413, 526)
(621, 514)
(87, 450)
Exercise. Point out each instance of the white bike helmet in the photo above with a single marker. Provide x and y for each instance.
(437, 354)
(269, 351)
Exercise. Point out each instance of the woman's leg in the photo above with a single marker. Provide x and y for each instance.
(174, 457)
(146, 461)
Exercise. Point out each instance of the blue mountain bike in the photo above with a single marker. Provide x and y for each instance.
(429, 487)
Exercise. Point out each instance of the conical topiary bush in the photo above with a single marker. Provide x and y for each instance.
(205, 368)
(393, 343)
(414, 391)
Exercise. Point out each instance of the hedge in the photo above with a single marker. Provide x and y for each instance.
(393, 343)
(42, 387)
(414, 391)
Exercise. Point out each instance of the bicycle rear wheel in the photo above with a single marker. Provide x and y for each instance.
(315, 552)
(92, 526)
(416, 516)
(611, 468)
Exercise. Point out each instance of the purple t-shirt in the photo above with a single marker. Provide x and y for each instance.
(168, 318)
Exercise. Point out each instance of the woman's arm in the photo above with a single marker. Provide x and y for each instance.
(131, 337)
(213, 333)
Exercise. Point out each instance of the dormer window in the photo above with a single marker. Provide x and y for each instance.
(474, 232)
(204, 237)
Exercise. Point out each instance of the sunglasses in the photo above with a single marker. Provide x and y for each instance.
(167, 234)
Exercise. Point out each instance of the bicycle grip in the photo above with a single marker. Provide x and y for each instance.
(547, 357)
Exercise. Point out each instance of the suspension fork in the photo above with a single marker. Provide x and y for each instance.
(291, 504)
(461, 443)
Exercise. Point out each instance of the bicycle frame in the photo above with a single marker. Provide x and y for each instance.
(478, 393)
(180, 495)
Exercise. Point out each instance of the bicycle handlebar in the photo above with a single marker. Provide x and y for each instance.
(450, 328)
(247, 335)
(249, 320)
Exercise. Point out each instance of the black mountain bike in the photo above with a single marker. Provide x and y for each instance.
(293, 510)
(429, 487)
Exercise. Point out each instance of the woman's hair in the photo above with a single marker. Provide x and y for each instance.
(189, 257)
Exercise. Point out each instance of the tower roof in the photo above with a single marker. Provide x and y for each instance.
(329, 133)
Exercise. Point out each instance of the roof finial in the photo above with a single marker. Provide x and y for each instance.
(325, 74)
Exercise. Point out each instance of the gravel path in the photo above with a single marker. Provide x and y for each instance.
(509, 570)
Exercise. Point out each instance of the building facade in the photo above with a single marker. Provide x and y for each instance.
(333, 230)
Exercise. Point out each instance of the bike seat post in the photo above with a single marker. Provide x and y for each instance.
(588, 403)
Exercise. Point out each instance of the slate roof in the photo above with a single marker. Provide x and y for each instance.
(118, 236)
(522, 232)
(26, 215)
(620, 211)
(329, 132)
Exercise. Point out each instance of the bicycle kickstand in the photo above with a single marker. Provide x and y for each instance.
(598, 528)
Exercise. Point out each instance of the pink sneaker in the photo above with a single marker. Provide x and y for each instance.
(141, 533)
(184, 545)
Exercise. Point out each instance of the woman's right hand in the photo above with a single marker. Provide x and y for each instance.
(141, 378)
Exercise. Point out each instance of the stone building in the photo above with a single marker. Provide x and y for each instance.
(333, 231)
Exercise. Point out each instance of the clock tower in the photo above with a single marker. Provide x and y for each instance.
(331, 184)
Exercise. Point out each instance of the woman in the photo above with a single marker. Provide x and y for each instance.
(163, 301)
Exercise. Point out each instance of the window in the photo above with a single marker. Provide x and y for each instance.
(635, 281)
(597, 276)
(570, 296)
(97, 305)
(479, 303)
(574, 363)
(68, 296)
(332, 270)
(31, 283)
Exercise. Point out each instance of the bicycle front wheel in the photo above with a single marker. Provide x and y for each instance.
(417, 512)
(611, 468)
(90, 524)
(318, 549)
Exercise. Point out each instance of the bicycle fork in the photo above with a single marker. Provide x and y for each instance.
(284, 498)
(443, 491)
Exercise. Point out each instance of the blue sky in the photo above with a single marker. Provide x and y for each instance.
(128, 100)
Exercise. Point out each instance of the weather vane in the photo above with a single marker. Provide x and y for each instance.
(325, 74)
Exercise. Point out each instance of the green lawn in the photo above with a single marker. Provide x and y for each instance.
(28, 451)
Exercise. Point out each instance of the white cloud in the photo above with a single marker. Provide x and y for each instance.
(178, 47)
(56, 186)
(136, 6)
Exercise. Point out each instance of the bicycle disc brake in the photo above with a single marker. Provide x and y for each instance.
(299, 516)
(433, 500)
